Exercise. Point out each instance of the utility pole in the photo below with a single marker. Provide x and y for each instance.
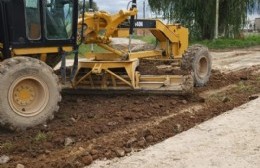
(144, 9)
(144, 15)
(217, 19)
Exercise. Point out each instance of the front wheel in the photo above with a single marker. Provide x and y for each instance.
(29, 93)
(198, 60)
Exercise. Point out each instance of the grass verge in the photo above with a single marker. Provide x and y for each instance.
(224, 43)
(221, 43)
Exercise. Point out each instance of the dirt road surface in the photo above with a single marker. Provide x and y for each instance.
(93, 127)
(231, 140)
(235, 59)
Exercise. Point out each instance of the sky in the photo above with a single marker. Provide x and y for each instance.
(114, 6)
(253, 16)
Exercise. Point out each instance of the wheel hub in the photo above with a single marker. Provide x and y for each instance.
(203, 67)
(24, 95)
(28, 96)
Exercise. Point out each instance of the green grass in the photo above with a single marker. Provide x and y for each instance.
(7, 147)
(83, 49)
(224, 43)
(243, 87)
(150, 39)
(40, 137)
(258, 78)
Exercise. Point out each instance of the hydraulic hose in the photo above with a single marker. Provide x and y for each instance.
(76, 57)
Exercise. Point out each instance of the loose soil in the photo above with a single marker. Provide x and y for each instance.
(108, 126)
(236, 59)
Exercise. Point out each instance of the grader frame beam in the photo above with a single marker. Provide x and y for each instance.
(40, 50)
(173, 43)
(173, 38)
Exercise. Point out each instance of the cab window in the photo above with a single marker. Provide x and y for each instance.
(58, 19)
(32, 18)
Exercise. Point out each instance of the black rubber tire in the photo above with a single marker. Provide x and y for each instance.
(198, 60)
(15, 68)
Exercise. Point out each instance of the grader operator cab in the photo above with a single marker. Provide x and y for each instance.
(35, 35)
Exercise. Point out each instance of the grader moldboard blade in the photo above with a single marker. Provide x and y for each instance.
(122, 77)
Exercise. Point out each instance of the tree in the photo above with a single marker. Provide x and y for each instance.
(95, 7)
(199, 15)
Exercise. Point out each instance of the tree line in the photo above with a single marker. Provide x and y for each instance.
(199, 15)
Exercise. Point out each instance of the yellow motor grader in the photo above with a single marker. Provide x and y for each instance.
(36, 35)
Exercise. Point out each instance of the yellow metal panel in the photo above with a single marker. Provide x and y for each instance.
(184, 39)
(43, 57)
(144, 54)
(159, 35)
(97, 67)
(111, 49)
(106, 64)
(175, 47)
(121, 33)
(103, 21)
(172, 36)
(103, 56)
(43, 50)
(179, 48)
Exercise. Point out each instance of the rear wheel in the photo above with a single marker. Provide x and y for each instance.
(198, 60)
(29, 93)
